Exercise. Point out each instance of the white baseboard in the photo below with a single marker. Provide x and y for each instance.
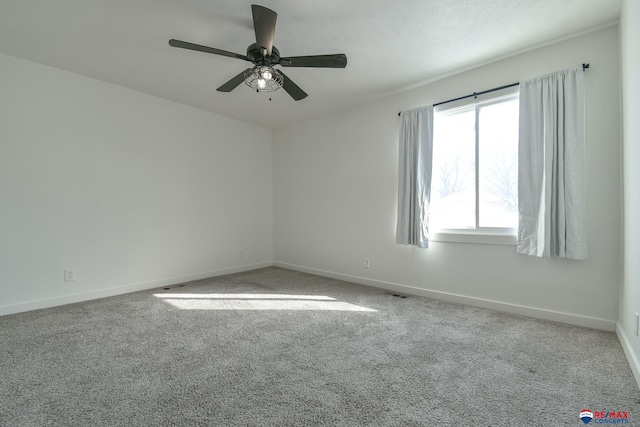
(109, 292)
(539, 313)
(573, 319)
(632, 358)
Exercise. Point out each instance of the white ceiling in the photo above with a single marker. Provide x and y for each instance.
(390, 45)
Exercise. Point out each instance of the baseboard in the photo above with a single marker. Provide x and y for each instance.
(629, 353)
(109, 292)
(573, 319)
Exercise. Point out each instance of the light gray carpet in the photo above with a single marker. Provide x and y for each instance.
(232, 357)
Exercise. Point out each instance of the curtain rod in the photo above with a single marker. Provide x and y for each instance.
(475, 94)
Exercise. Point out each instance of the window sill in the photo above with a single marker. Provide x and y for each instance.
(474, 238)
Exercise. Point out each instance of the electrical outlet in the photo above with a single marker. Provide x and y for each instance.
(365, 263)
(636, 323)
(240, 253)
(69, 275)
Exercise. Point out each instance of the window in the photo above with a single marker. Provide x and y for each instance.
(474, 187)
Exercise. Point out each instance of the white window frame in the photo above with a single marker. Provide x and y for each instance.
(480, 235)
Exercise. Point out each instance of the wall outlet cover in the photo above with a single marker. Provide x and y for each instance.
(69, 275)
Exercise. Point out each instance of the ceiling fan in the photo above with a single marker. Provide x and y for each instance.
(262, 77)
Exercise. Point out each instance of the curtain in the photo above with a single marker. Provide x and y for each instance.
(551, 163)
(414, 176)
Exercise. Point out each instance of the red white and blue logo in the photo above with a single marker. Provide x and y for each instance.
(604, 417)
(586, 416)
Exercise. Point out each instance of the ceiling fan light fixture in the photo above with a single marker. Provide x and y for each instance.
(263, 78)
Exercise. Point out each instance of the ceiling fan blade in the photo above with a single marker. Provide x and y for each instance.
(292, 88)
(264, 24)
(338, 60)
(206, 49)
(233, 83)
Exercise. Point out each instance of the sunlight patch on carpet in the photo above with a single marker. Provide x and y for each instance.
(258, 302)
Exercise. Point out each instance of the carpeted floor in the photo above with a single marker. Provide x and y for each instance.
(274, 347)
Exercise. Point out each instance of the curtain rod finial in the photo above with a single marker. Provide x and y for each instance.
(585, 66)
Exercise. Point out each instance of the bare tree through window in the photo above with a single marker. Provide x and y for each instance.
(453, 176)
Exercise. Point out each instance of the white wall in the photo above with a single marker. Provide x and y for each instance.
(630, 291)
(335, 188)
(131, 190)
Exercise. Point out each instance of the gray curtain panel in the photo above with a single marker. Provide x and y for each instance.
(414, 176)
(551, 164)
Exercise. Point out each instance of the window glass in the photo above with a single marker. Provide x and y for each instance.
(453, 197)
(475, 165)
(498, 164)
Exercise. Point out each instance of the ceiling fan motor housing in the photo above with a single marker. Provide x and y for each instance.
(254, 53)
